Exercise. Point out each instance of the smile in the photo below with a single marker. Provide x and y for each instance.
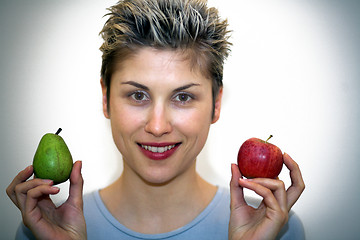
(158, 151)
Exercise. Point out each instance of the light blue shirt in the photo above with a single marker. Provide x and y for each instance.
(211, 223)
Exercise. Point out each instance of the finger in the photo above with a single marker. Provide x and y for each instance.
(236, 191)
(20, 177)
(268, 197)
(278, 189)
(76, 185)
(22, 189)
(297, 182)
(31, 212)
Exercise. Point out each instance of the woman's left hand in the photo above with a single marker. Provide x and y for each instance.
(266, 221)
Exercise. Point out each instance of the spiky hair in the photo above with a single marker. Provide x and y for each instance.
(187, 25)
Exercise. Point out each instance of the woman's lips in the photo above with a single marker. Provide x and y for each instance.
(158, 151)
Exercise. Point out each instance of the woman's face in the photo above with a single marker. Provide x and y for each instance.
(160, 113)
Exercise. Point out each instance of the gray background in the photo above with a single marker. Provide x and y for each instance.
(293, 72)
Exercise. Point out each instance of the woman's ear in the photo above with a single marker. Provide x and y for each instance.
(217, 106)
(104, 98)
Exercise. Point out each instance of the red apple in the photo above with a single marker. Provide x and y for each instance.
(259, 159)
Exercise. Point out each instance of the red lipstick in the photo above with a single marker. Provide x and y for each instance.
(158, 151)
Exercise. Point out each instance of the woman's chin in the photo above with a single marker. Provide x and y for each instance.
(160, 179)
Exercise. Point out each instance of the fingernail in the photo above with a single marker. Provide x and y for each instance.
(47, 181)
(55, 188)
(80, 165)
(245, 179)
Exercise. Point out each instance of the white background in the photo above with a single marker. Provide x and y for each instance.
(293, 72)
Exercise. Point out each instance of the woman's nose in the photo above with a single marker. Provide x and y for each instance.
(158, 122)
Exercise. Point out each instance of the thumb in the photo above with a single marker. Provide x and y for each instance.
(76, 185)
(236, 191)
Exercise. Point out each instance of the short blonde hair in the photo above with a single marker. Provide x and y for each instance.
(187, 25)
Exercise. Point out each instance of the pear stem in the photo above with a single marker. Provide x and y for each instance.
(58, 131)
(268, 138)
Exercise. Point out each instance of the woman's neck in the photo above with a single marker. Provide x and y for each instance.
(156, 208)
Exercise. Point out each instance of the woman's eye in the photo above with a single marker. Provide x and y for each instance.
(183, 97)
(139, 96)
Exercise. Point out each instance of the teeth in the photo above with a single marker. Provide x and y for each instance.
(157, 149)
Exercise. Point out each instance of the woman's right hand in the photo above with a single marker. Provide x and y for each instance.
(39, 213)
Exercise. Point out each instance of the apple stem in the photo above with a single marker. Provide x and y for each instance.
(268, 138)
(58, 131)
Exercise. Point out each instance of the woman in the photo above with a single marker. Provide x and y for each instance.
(161, 81)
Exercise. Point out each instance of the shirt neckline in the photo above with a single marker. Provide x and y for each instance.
(113, 221)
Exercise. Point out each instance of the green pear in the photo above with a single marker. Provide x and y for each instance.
(53, 159)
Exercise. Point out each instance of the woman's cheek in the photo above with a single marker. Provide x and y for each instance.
(192, 121)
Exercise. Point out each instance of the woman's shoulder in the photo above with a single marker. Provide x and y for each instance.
(93, 204)
(293, 229)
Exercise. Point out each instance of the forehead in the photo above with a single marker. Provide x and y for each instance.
(197, 60)
(152, 62)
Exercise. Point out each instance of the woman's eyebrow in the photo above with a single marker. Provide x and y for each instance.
(135, 84)
(139, 85)
(185, 87)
